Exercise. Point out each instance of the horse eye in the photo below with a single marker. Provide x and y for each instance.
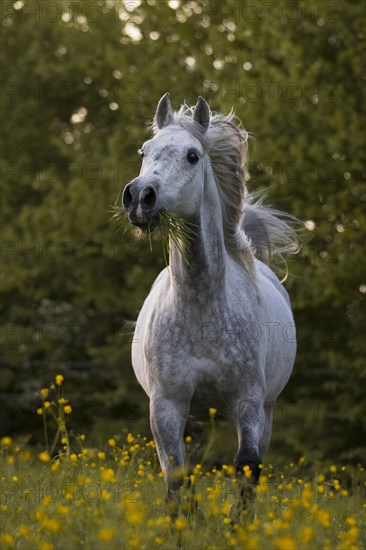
(141, 153)
(192, 158)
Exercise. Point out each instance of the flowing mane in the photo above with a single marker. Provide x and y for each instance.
(225, 141)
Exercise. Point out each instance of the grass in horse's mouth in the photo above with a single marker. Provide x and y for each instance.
(178, 230)
(119, 217)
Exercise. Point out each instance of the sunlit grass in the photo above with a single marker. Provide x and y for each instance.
(76, 496)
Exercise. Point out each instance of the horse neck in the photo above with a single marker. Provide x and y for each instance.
(203, 269)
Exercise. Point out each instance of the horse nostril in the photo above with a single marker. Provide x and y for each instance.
(148, 197)
(127, 198)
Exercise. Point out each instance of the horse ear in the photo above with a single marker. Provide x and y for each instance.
(201, 113)
(164, 113)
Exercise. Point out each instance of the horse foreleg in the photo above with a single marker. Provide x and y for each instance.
(267, 431)
(249, 420)
(168, 419)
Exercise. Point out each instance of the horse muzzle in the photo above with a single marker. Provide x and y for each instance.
(141, 204)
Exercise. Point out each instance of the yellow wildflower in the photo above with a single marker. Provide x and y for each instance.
(24, 531)
(50, 524)
(197, 469)
(287, 513)
(63, 401)
(323, 517)
(229, 470)
(163, 521)
(101, 455)
(212, 411)
(6, 441)
(180, 523)
(55, 466)
(69, 494)
(135, 515)
(130, 438)
(112, 442)
(135, 541)
(285, 543)
(106, 495)
(352, 535)
(7, 539)
(106, 534)
(44, 456)
(62, 509)
(44, 392)
(333, 468)
(59, 379)
(247, 472)
(108, 475)
(307, 534)
(67, 409)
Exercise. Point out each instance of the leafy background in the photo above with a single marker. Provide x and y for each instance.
(79, 82)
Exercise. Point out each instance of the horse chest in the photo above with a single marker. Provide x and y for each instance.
(189, 347)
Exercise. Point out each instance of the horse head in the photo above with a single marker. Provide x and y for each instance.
(172, 171)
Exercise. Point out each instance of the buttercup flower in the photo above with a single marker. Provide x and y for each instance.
(59, 379)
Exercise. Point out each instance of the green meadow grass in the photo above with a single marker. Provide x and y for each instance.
(72, 496)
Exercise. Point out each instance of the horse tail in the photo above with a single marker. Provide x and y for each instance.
(272, 233)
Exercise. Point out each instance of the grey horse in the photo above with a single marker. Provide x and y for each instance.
(216, 329)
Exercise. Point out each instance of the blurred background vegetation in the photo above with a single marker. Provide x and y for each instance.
(80, 79)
